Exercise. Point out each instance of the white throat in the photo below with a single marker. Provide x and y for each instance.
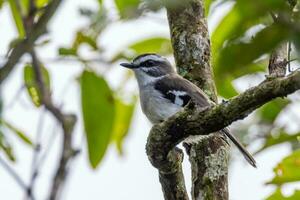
(144, 79)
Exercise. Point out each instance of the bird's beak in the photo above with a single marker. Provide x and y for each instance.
(128, 65)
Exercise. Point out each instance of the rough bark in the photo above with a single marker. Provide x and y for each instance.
(172, 181)
(191, 44)
(196, 121)
(277, 62)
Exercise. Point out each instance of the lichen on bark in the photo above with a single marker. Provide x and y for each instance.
(209, 157)
(191, 44)
(192, 52)
(164, 137)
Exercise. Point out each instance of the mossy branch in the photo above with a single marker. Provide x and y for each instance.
(192, 52)
(195, 121)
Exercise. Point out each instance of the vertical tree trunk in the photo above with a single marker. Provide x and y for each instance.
(191, 44)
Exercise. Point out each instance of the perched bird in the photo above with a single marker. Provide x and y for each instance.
(163, 92)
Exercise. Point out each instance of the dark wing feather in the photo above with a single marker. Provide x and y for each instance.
(173, 86)
(177, 83)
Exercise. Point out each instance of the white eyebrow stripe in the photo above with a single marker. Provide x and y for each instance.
(149, 57)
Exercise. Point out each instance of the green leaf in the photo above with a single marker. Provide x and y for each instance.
(84, 38)
(128, 8)
(242, 16)
(287, 170)
(1, 3)
(67, 51)
(17, 18)
(20, 134)
(25, 6)
(6, 147)
(124, 113)
(274, 139)
(277, 195)
(31, 84)
(237, 71)
(225, 76)
(226, 39)
(263, 42)
(41, 3)
(98, 109)
(227, 29)
(225, 87)
(81, 38)
(207, 4)
(158, 45)
(270, 111)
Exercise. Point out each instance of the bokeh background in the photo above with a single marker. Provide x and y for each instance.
(125, 172)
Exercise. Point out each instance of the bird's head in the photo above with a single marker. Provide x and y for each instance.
(148, 67)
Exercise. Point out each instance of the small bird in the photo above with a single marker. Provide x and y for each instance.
(163, 92)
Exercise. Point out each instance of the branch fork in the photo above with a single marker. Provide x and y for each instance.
(163, 138)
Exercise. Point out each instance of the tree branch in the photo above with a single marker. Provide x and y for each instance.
(196, 121)
(36, 151)
(172, 179)
(277, 62)
(67, 122)
(13, 174)
(191, 44)
(26, 45)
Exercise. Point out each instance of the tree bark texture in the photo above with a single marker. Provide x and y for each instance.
(278, 62)
(191, 44)
(164, 137)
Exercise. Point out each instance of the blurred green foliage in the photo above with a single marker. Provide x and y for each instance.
(32, 85)
(271, 110)
(5, 143)
(123, 117)
(128, 8)
(17, 18)
(287, 170)
(158, 45)
(279, 196)
(98, 109)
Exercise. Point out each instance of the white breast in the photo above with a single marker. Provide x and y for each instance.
(155, 107)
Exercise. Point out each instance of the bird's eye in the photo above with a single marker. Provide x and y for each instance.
(149, 63)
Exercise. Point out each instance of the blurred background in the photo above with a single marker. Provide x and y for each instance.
(81, 51)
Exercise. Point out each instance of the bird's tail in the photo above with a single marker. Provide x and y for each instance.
(241, 148)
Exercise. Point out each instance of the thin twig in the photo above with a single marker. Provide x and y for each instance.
(37, 149)
(45, 153)
(67, 123)
(15, 98)
(13, 174)
(27, 44)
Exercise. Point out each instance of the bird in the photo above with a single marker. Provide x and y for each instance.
(163, 92)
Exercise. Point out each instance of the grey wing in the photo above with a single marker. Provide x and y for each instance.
(180, 91)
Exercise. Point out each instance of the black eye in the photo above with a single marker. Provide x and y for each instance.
(149, 63)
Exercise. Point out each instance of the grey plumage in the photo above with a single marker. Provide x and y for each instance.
(163, 92)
